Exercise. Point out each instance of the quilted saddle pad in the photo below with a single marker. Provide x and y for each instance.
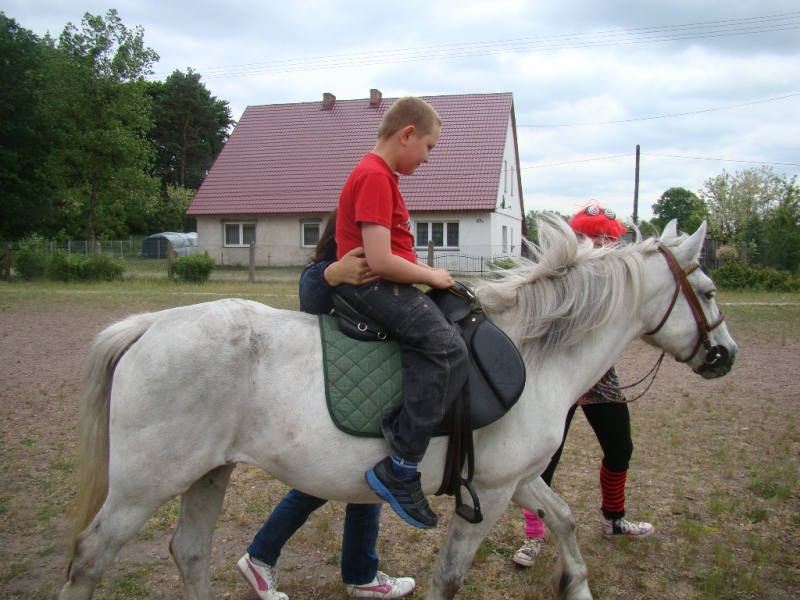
(361, 379)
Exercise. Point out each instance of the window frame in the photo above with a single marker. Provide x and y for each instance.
(303, 224)
(445, 223)
(241, 225)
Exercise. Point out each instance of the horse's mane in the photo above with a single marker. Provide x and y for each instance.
(567, 289)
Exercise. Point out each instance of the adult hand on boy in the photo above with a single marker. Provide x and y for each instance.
(352, 268)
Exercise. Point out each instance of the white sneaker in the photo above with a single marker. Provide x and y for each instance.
(612, 527)
(383, 586)
(525, 556)
(263, 580)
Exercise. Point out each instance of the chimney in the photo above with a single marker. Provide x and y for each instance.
(327, 100)
(375, 97)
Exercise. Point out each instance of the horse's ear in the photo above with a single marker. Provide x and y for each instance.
(670, 231)
(690, 248)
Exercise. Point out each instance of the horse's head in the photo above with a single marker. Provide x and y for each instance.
(685, 319)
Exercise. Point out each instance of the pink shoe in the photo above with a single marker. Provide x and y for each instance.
(383, 586)
(263, 580)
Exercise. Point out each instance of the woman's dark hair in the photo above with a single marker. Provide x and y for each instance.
(326, 246)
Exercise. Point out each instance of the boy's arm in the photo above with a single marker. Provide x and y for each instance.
(378, 250)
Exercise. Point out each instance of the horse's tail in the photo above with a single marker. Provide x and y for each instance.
(93, 438)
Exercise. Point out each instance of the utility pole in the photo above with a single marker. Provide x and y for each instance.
(636, 190)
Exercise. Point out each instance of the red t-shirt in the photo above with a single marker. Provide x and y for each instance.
(371, 195)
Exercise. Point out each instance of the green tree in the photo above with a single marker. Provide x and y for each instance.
(781, 231)
(679, 203)
(738, 203)
(190, 126)
(531, 231)
(27, 132)
(106, 116)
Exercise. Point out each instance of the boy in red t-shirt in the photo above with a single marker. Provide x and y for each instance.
(372, 214)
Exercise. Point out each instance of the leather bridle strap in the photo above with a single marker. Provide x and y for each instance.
(682, 283)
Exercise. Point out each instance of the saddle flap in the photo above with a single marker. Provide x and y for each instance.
(499, 362)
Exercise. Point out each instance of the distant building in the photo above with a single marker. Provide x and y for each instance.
(283, 167)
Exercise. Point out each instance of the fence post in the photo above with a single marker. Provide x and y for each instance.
(743, 253)
(170, 253)
(8, 262)
(252, 262)
(430, 253)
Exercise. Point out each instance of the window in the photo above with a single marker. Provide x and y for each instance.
(240, 234)
(310, 234)
(443, 234)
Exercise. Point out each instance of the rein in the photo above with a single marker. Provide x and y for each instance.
(653, 370)
(715, 355)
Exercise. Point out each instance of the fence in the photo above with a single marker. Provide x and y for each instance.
(468, 260)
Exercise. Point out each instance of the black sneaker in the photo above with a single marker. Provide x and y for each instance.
(403, 495)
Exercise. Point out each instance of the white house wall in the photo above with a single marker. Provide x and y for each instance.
(278, 240)
(508, 211)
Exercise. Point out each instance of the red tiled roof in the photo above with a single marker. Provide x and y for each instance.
(294, 158)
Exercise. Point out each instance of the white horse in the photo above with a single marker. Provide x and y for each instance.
(175, 399)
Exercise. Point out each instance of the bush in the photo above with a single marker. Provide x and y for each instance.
(735, 276)
(195, 268)
(80, 267)
(31, 259)
(728, 255)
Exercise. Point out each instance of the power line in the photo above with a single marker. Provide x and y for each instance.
(752, 162)
(683, 114)
(689, 31)
(573, 162)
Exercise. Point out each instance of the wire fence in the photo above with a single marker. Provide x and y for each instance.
(465, 261)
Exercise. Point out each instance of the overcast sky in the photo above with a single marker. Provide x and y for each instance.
(591, 80)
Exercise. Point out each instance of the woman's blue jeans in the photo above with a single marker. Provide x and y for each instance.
(361, 522)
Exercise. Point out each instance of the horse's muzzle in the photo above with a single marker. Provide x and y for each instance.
(718, 362)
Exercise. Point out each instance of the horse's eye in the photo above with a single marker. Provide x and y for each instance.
(710, 295)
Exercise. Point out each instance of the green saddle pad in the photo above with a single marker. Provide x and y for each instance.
(361, 379)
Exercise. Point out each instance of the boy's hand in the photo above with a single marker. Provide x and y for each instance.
(441, 279)
(352, 269)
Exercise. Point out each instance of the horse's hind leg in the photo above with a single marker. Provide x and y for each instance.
(191, 543)
(570, 581)
(96, 546)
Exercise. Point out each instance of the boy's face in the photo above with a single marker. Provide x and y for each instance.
(417, 149)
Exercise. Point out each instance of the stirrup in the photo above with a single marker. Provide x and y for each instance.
(471, 514)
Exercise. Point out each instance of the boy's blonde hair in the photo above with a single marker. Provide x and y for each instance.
(409, 111)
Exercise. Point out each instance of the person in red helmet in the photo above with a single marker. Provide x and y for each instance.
(607, 412)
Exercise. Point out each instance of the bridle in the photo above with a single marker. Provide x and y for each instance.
(716, 356)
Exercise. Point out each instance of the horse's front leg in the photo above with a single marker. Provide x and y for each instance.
(570, 580)
(462, 543)
(191, 544)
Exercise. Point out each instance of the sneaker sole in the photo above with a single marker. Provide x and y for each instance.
(611, 536)
(383, 493)
(522, 562)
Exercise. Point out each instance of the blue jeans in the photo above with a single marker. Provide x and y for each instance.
(434, 359)
(361, 522)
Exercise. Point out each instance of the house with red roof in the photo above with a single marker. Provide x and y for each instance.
(283, 167)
